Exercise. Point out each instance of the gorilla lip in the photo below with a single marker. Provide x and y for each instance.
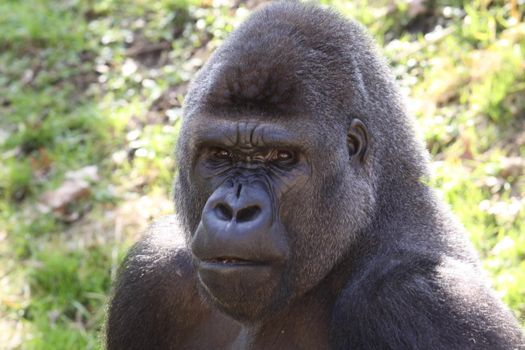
(228, 261)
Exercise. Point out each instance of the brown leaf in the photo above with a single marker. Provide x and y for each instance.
(514, 167)
(69, 192)
(40, 162)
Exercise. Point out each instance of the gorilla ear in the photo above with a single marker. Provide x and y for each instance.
(357, 140)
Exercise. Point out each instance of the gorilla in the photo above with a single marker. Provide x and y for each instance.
(304, 216)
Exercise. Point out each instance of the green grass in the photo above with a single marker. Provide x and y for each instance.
(101, 83)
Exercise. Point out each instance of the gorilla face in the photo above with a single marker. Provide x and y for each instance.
(241, 243)
(269, 219)
(274, 183)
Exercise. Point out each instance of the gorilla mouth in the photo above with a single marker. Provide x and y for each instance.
(228, 260)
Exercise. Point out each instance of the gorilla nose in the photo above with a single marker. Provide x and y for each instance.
(236, 223)
(226, 212)
(238, 208)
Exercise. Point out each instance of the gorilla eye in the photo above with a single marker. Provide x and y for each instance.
(283, 157)
(221, 153)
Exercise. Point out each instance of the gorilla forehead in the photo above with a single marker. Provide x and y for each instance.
(279, 61)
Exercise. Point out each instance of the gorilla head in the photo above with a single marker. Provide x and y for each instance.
(279, 177)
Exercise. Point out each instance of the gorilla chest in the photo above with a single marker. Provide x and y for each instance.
(220, 332)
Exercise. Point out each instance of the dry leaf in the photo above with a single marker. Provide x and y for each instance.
(69, 192)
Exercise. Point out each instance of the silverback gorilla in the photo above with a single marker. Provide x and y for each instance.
(304, 218)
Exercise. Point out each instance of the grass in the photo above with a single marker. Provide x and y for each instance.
(101, 83)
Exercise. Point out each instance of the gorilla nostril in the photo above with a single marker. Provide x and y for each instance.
(224, 212)
(247, 214)
(239, 191)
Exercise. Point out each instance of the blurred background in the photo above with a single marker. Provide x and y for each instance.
(91, 93)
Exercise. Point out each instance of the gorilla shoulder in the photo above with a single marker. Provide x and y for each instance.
(424, 297)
